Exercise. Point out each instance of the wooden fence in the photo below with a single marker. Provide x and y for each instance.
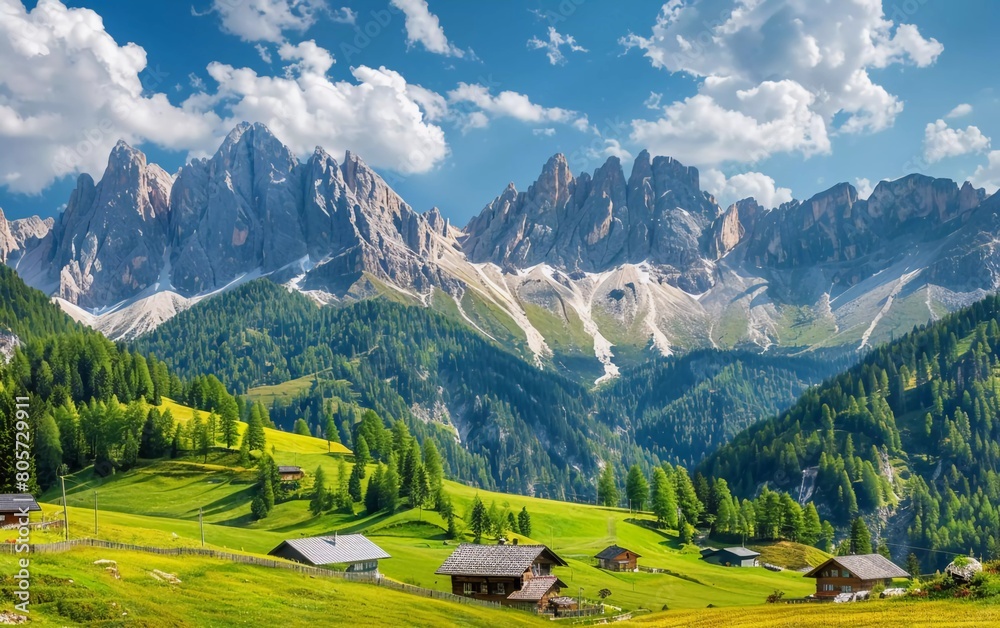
(245, 559)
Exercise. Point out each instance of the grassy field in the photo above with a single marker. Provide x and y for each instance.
(69, 589)
(878, 614)
(283, 392)
(158, 504)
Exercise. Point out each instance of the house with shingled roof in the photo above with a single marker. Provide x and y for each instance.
(513, 575)
(853, 574)
(16, 509)
(355, 551)
(616, 558)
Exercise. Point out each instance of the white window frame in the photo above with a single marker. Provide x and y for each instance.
(501, 589)
(484, 588)
(467, 588)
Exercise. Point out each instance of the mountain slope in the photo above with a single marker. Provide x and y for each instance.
(586, 274)
(908, 436)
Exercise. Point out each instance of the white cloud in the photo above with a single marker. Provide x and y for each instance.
(819, 57)
(266, 20)
(770, 118)
(423, 27)
(196, 82)
(379, 115)
(960, 111)
(611, 148)
(988, 176)
(69, 92)
(553, 46)
(653, 102)
(508, 104)
(749, 184)
(264, 53)
(941, 141)
(344, 15)
(864, 187)
(548, 132)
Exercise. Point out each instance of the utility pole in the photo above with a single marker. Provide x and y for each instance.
(62, 480)
(201, 524)
(95, 514)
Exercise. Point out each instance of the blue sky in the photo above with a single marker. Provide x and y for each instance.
(451, 100)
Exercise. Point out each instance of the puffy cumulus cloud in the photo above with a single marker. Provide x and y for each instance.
(554, 44)
(864, 187)
(766, 119)
(378, 115)
(960, 111)
(267, 20)
(728, 190)
(822, 58)
(942, 141)
(424, 27)
(988, 176)
(508, 104)
(69, 92)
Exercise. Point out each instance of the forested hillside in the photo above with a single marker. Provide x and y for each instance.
(684, 408)
(911, 434)
(88, 400)
(519, 429)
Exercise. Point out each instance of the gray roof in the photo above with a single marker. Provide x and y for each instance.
(864, 566)
(342, 548)
(535, 588)
(494, 560)
(741, 552)
(286, 469)
(612, 551)
(13, 502)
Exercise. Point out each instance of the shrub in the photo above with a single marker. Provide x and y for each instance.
(775, 597)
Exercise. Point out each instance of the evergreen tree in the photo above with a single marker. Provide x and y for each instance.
(687, 499)
(331, 433)
(130, 451)
(512, 522)
(883, 549)
(419, 489)
(636, 488)
(373, 496)
(301, 428)
(663, 499)
(478, 520)
(318, 502)
(361, 454)
(606, 489)
(228, 420)
(354, 483)
(255, 430)
(812, 527)
(861, 538)
(434, 467)
(389, 496)
(913, 566)
(826, 538)
(524, 521)
(48, 451)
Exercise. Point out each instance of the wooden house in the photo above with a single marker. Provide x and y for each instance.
(731, 556)
(615, 558)
(853, 574)
(513, 575)
(353, 550)
(290, 474)
(15, 507)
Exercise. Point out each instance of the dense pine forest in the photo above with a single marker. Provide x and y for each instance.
(499, 422)
(909, 436)
(684, 408)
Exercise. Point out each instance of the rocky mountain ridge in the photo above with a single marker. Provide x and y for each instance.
(585, 273)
